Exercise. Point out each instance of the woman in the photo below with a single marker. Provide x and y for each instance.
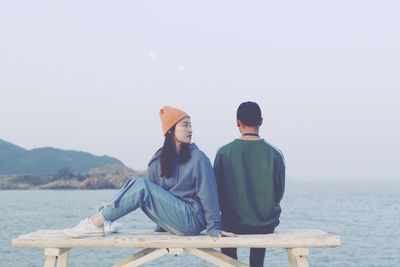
(180, 195)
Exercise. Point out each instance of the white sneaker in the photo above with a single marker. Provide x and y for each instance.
(85, 228)
(112, 227)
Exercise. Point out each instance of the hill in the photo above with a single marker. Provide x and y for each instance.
(15, 160)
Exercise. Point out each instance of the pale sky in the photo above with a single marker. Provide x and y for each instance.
(92, 76)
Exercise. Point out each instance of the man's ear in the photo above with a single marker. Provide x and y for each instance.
(261, 121)
(238, 123)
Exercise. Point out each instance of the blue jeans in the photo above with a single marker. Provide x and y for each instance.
(165, 209)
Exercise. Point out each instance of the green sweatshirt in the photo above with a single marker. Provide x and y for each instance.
(251, 180)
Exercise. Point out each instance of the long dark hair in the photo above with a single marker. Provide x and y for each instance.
(169, 157)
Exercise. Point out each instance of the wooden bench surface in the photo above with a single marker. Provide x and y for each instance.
(147, 239)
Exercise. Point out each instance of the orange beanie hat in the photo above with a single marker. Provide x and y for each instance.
(170, 116)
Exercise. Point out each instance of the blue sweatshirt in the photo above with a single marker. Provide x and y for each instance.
(193, 182)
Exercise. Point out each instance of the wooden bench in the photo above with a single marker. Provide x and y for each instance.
(56, 245)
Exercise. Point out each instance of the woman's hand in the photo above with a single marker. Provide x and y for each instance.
(223, 233)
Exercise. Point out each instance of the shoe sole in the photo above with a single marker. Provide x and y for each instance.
(72, 234)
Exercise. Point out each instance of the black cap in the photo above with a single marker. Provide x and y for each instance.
(249, 113)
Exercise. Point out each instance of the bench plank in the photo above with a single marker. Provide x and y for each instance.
(56, 239)
(155, 245)
(135, 239)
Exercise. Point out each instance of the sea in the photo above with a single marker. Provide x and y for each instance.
(366, 215)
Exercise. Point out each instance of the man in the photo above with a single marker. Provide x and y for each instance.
(251, 179)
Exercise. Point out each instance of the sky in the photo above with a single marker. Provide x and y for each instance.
(92, 76)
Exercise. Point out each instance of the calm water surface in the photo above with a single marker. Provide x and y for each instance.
(365, 214)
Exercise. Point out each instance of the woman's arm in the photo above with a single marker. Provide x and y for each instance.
(206, 189)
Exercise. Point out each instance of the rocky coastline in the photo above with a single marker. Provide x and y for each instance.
(109, 176)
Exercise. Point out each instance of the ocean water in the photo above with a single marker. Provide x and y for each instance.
(366, 215)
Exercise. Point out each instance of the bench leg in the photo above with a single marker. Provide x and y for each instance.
(215, 257)
(141, 257)
(56, 257)
(298, 257)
